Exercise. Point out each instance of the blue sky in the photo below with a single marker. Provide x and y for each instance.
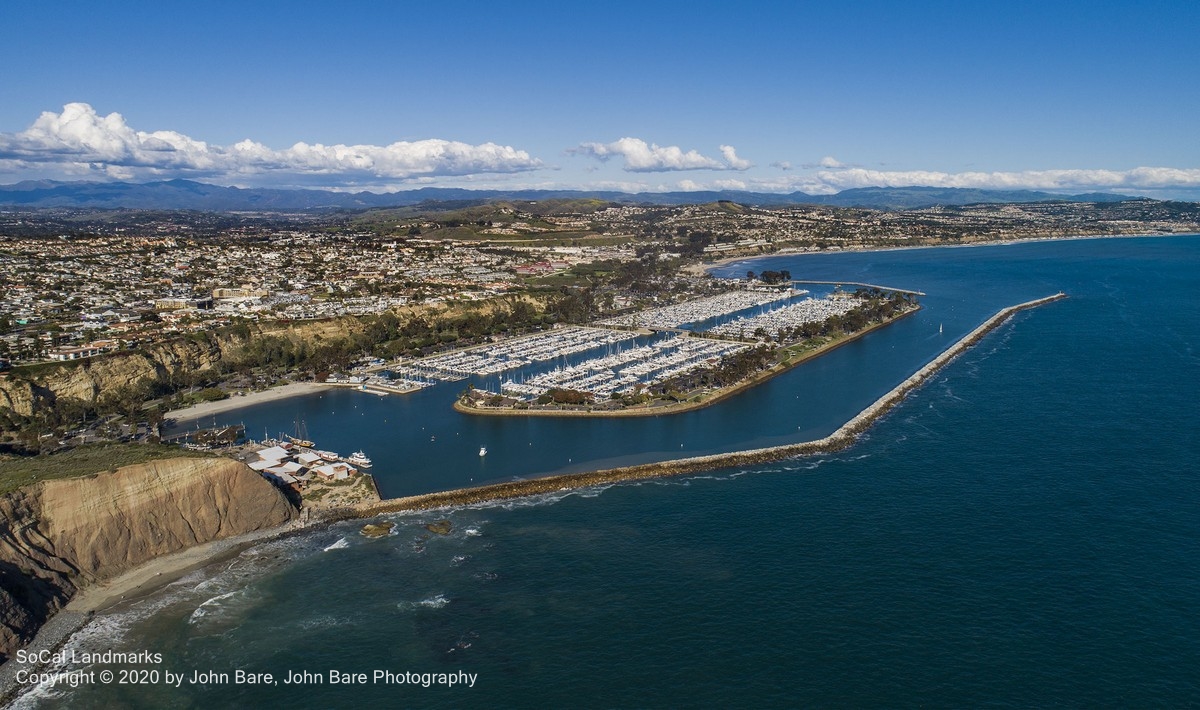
(769, 96)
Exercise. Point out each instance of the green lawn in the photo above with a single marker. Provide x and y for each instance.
(17, 471)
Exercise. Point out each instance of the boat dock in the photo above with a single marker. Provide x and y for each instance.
(666, 318)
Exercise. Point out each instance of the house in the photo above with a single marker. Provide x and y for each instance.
(274, 453)
(335, 471)
(309, 459)
(63, 354)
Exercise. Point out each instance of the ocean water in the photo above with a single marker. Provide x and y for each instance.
(1022, 531)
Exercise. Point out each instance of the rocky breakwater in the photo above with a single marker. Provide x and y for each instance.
(58, 537)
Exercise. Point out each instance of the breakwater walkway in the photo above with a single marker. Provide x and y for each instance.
(860, 285)
(840, 439)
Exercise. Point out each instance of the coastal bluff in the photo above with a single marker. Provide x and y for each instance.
(58, 537)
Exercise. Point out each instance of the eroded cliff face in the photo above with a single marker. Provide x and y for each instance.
(85, 381)
(59, 536)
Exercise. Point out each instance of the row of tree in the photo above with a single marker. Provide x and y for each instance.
(770, 276)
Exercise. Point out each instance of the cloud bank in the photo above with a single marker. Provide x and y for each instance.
(829, 176)
(1142, 178)
(642, 157)
(80, 141)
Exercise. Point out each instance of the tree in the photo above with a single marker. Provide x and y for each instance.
(749, 275)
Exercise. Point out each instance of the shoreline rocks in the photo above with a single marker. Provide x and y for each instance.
(377, 529)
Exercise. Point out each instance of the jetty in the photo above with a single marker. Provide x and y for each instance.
(860, 285)
(844, 437)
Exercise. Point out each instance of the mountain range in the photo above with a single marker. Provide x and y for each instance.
(190, 195)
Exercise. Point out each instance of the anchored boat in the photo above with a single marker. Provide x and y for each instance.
(359, 459)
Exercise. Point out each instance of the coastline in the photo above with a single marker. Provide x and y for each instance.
(155, 574)
(161, 571)
(704, 267)
(130, 586)
(713, 397)
(180, 418)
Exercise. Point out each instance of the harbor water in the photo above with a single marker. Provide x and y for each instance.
(1019, 532)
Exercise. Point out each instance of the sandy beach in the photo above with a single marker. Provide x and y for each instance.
(180, 419)
(161, 571)
(136, 583)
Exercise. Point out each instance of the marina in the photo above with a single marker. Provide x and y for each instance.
(621, 368)
(623, 372)
(395, 382)
(701, 309)
(810, 310)
(513, 353)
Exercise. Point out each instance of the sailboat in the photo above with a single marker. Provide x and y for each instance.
(301, 437)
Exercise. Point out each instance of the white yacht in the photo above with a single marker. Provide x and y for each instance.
(359, 459)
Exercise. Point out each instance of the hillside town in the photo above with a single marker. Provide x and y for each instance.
(65, 299)
(78, 283)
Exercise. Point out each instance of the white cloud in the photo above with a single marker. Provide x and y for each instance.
(782, 165)
(1143, 178)
(618, 185)
(643, 157)
(693, 186)
(80, 140)
(732, 159)
(828, 162)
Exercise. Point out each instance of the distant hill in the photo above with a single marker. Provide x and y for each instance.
(190, 195)
(907, 198)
